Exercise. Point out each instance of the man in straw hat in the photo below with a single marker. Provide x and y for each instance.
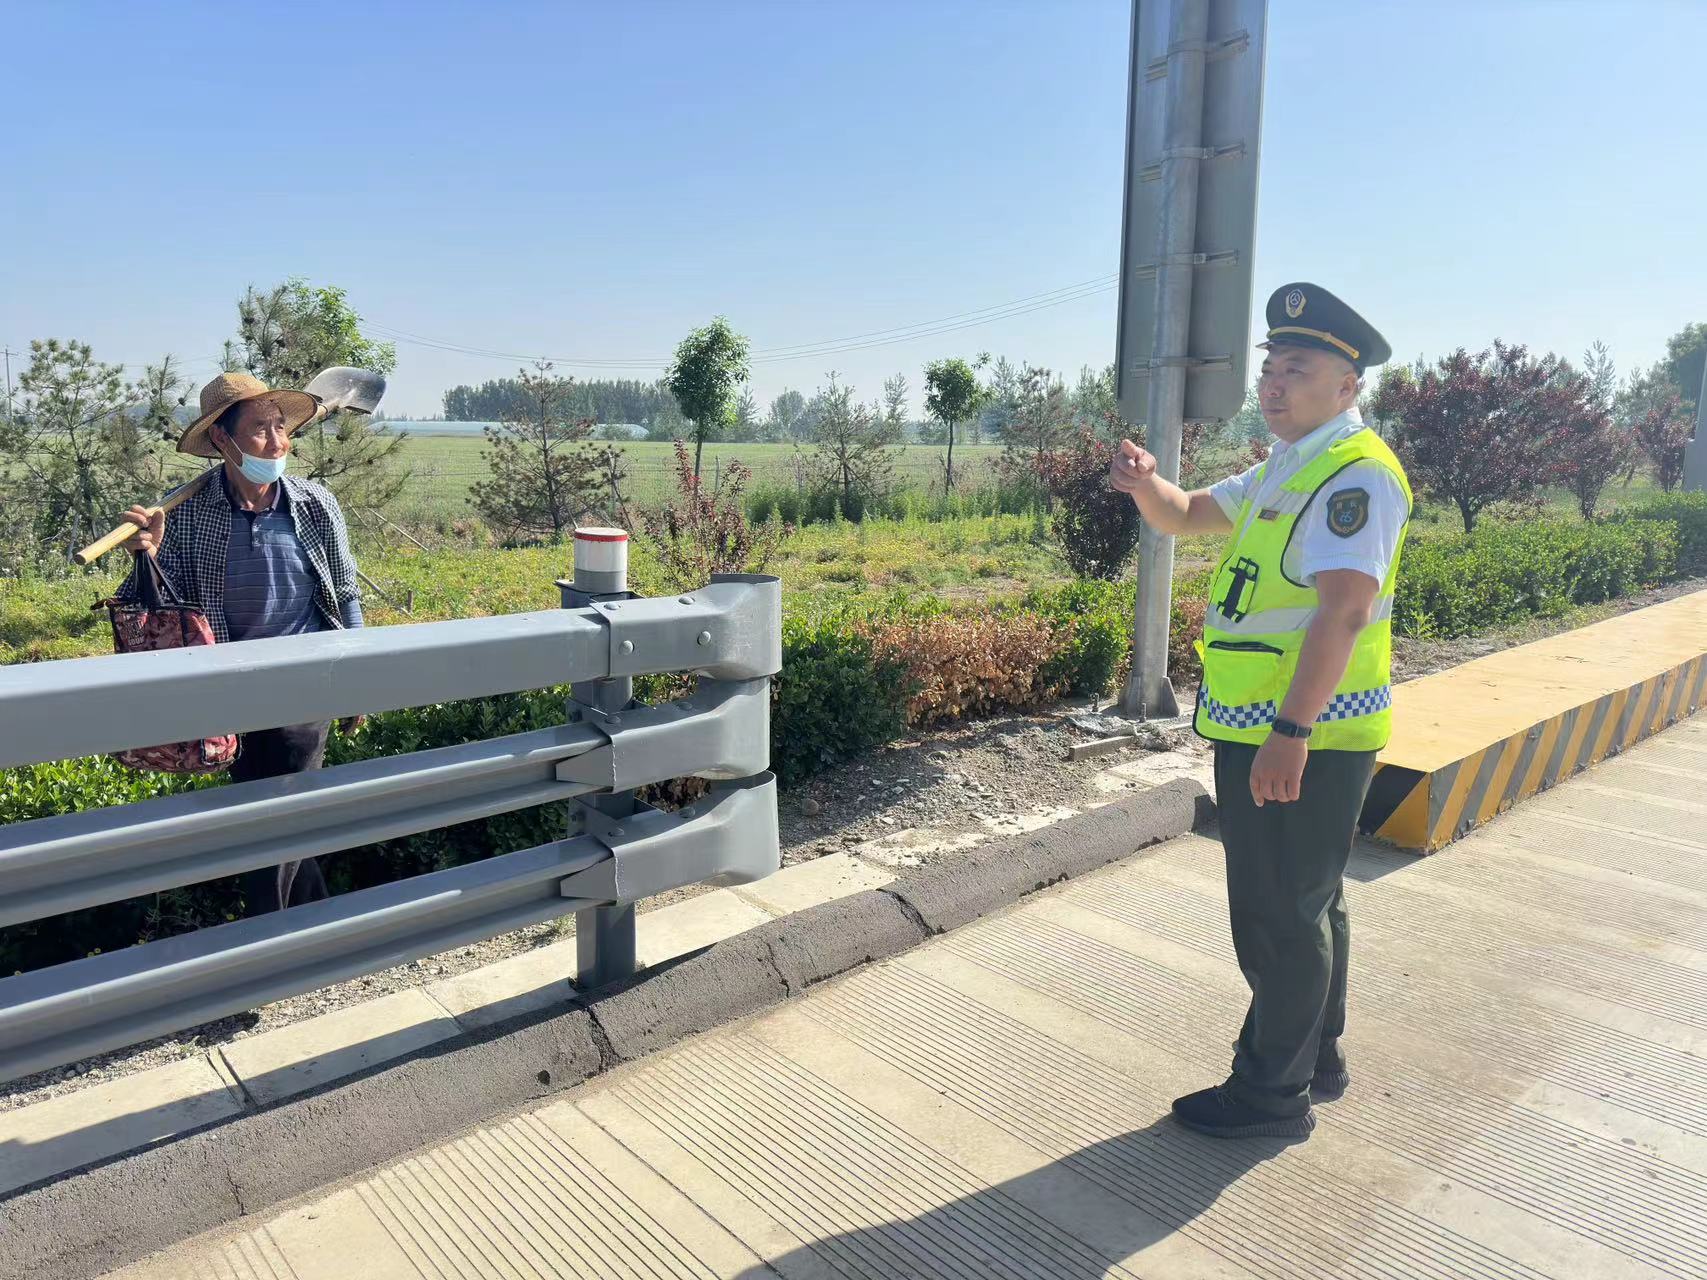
(262, 554)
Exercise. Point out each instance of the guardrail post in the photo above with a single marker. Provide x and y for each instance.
(604, 936)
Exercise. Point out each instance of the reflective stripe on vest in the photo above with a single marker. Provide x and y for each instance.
(1273, 621)
(1257, 618)
(1342, 706)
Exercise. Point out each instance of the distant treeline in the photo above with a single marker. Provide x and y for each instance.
(625, 400)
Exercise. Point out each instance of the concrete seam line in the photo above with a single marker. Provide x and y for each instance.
(319, 1128)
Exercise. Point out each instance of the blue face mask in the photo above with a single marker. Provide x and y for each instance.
(262, 470)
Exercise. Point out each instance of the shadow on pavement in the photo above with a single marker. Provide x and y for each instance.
(1073, 1219)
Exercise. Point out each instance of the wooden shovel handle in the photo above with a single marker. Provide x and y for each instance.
(126, 531)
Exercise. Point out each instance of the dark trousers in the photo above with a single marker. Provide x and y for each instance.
(1286, 899)
(271, 753)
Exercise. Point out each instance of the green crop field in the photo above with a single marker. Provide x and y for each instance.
(443, 467)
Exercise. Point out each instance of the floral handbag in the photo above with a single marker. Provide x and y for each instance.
(161, 620)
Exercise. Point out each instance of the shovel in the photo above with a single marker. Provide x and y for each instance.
(337, 389)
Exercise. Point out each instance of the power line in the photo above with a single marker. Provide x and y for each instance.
(1099, 281)
(942, 329)
(799, 351)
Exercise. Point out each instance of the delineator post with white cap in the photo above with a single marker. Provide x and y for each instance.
(604, 935)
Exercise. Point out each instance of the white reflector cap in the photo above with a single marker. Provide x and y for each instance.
(601, 550)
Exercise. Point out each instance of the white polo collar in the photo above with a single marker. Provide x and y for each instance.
(1302, 452)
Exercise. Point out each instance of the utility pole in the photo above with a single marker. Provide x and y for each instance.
(8, 351)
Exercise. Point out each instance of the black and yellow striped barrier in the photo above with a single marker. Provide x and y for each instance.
(1471, 742)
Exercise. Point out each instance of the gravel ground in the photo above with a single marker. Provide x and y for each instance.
(914, 801)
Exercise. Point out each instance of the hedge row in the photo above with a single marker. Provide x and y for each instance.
(856, 678)
(1688, 512)
(1505, 573)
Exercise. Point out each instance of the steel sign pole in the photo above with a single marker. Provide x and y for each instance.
(1149, 693)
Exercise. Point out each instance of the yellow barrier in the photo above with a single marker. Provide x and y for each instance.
(1471, 742)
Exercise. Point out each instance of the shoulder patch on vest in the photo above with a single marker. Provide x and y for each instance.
(1348, 511)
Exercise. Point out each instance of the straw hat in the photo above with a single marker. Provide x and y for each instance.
(234, 388)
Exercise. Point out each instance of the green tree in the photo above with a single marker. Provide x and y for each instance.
(1686, 351)
(289, 333)
(1041, 414)
(1602, 374)
(78, 445)
(710, 363)
(895, 404)
(745, 425)
(852, 457)
(1000, 402)
(606, 401)
(785, 414)
(145, 436)
(1093, 399)
(952, 395)
(544, 474)
(1248, 427)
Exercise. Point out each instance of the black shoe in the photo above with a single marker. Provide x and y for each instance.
(1219, 1114)
(1329, 1085)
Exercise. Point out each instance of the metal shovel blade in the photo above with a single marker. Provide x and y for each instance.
(344, 388)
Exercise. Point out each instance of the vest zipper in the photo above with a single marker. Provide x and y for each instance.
(1246, 646)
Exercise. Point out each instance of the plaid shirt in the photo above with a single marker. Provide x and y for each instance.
(192, 554)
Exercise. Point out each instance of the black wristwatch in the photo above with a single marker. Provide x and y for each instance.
(1286, 729)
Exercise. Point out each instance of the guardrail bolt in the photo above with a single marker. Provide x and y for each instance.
(627, 646)
(704, 638)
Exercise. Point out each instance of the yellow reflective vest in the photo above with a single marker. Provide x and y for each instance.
(1257, 617)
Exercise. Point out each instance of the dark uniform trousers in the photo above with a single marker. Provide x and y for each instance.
(1286, 897)
(271, 753)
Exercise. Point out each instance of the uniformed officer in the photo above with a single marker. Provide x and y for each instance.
(1295, 695)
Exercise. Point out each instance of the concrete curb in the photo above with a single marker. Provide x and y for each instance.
(115, 1213)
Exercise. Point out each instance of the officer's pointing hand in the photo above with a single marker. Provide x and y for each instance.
(1130, 467)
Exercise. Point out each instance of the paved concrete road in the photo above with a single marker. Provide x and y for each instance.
(1529, 1043)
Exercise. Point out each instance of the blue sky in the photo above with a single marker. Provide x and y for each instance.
(591, 180)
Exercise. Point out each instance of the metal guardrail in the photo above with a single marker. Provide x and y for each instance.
(615, 852)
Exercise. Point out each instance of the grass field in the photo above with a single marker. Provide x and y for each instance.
(443, 467)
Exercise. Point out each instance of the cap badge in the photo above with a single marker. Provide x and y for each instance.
(1295, 303)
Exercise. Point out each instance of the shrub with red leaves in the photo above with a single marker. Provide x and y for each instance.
(1481, 429)
(704, 530)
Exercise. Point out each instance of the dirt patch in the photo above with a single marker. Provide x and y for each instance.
(922, 799)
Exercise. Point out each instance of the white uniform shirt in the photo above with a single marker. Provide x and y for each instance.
(1319, 547)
